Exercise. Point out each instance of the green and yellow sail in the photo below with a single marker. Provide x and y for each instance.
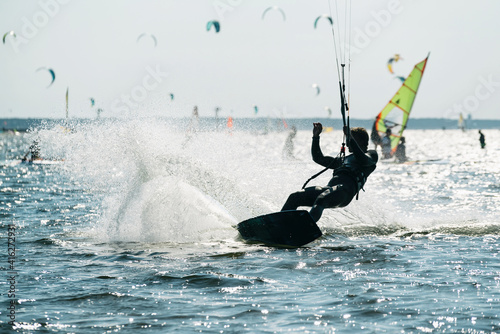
(396, 113)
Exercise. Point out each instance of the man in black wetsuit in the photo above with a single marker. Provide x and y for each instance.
(482, 140)
(349, 175)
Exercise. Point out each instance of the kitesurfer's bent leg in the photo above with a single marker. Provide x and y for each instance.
(305, 197)
(333, 197)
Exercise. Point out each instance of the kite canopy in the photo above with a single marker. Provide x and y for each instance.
(274, 8)
(153, 37)
(10, 33)
(215, 24)
(329, 111)
(394, 59)
(315, 86)
(324, 16)
(52, 73)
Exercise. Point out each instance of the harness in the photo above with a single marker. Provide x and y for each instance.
(358, 177)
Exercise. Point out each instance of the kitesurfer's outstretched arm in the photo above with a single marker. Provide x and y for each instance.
(317, 155)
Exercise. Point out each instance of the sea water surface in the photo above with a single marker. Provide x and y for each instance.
(132, 226)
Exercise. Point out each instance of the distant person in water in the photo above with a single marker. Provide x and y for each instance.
(349, 174)
(193, 126)
(195, 120)
(288, 148)
(386, 145)
(33, 152)
(482, 139)
(401, 151)
(375, 137)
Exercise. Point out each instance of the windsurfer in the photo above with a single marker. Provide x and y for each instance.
(349, 174)
(386, 145)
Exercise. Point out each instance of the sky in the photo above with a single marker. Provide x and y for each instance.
(271, 62)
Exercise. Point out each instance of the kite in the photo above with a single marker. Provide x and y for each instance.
(317, 88)
(274, 8)
(320, 17)
(10, 33)
(153, 37)
(396, 58)
(52, 73)
(214, 24)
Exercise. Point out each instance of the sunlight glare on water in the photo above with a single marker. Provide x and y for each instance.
(135, 229)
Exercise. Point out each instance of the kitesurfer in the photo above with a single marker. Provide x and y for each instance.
(34, 150)
(482, 139)
(401, 151)
(386, 145)
(349, 174)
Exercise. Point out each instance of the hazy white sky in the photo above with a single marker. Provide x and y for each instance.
(92, 47)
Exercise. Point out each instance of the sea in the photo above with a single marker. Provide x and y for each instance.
(128, 226)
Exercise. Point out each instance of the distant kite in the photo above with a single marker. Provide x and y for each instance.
(10, 33)
(317, 88)
(153, 37)
(52, 73)
(255, 109)
(274, 8)
(92, 102)
(171, 96)
(329, 111)
(395, 59)
(403, 79)
(321, 17)
(214, 24)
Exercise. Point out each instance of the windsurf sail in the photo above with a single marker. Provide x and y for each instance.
(67, 104)
(461, 122)
(396, 113)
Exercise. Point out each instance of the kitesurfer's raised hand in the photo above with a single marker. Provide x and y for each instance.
(317, 129)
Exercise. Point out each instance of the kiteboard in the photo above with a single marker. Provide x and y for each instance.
(41, 162)
(293, 228)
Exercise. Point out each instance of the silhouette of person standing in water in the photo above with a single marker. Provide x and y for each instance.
(482, 140)
(401, 150)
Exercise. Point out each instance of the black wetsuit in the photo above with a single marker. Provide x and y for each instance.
(348, 179)
(482, 140)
